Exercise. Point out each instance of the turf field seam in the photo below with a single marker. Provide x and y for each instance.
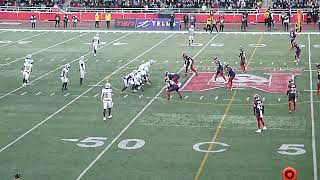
(133, 120)
(6, 64)
(313, 136)
(148, 32)
(211, 146)
(23, 39)
(73, 100)
(40, 77)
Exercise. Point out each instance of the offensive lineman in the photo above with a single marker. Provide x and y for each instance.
(258, 111)
(188, 63)
(64, 76)
(242, 57)
(292, 95)
(26, 70)
(106, 98)
(82, 69)
(95, 42)
(191, 36)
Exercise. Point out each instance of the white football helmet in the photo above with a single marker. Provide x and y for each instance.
(97, 35)
(81, 58)
(107, 86)
(67, 66)
(152, 61)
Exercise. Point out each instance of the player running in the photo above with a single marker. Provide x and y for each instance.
(82, 69)
(242, 57)
(231, 75)
(258, 111)
(106, 98)
(191, 35)
(172, 84)
(292, 35)
(318, 85)
(188, 63)
(26, 70)
(95, 42)
(219, 70)
(297, 53)
(292, 95)
(64, 76)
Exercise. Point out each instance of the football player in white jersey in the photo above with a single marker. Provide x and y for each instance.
(82, 69)
(106, 98)
(127, 81)
(64, 76)
(26, 71)
(191, 35)
(95, 42)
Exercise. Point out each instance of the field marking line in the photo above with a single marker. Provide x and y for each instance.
(76, 98)
(38, 93)
(44, 49)
(226, 112)
(313, 136)
(23, 93)
(132, 121)
(40, 77)
(153, 32)
(23, 39)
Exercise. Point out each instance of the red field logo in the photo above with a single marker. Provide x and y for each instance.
(276, 83)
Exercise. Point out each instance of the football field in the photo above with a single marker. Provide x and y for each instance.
(209, 134)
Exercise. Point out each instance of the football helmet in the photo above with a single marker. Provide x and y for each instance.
(67, 66)
(107, 86)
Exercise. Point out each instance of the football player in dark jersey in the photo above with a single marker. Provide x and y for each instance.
(297, 52)
(219, 69)
(171, 76)
(242, 57)
(292, 96)
(172, 85)
(231, 75)
(292, 36)
(189, 63)
(258, 111)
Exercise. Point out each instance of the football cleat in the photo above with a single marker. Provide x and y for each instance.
(104, 118)
(110, 116)
(264, 128)
(258, 131)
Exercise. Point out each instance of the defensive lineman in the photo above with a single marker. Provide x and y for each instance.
(106, 98)
(95, 42)
(82, 69)
(64, 76)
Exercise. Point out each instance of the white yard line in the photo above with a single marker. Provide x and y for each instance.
(23, 39)
(38, 93)
(132, 121)
(313, 136)
(73, 100)
(40, 77)
(148, 32)
(43, 49)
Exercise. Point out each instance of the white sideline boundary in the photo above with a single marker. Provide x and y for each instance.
(6, 64)
(148, 32)
(89, 89)
(313, 136)
(7, 44)
(40, 77)
(133, 120)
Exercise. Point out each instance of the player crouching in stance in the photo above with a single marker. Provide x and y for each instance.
(318, 85)
(95, 42)
(106, 98)
(82, 69)
(188, 63)
(133, 79)
(64, 76)
(191, 35)
(172, 83)
(219, 70)
(292, 95)
(231, 75)
(242, 57)
(258, 111)
(26, 70)
(144, 71)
